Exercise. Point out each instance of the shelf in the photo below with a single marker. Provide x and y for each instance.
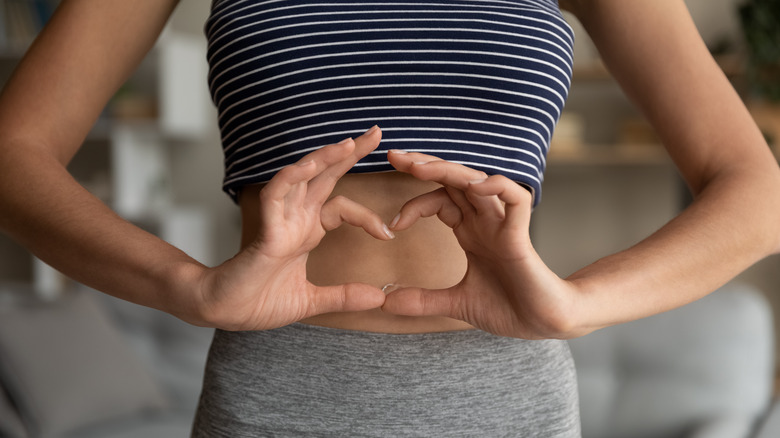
(733, 65)
(615, 155)
(608, 155)
(596, 71)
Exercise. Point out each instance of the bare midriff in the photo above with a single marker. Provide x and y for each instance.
(426, 255)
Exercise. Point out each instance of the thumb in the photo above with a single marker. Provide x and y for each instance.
(347, 297)
(413, 301)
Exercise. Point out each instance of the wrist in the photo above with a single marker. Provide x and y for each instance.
(575, 316)
(558, 307)
(587, 310)
(567, 318)
(184, 291)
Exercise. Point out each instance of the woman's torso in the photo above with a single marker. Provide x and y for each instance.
(479, 82)
(426, 255)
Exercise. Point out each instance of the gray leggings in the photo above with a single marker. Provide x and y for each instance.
(302, 380)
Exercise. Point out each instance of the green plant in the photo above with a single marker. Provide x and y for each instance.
(760, 21)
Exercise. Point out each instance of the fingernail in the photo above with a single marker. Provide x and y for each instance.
(306, 163)
(346, 140)
(395, 220)
(389, 287)
(387, 231)
(397, 151)
(420, 162)
(477, 181)
(372, 129)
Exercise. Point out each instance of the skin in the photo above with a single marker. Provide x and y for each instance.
(296, 265)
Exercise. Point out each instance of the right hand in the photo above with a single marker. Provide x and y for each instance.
(265, 286)
(507, 289)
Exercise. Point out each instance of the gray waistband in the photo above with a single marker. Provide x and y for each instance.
(303, 380)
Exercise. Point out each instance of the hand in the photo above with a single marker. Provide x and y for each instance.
(507, 290)
(265, 286)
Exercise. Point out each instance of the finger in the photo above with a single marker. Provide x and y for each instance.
(413, 162)
(484, 205)
(424, 302)
(322, 185)
(459, 198)
(286, 181)
(350, 297)
(430, 168)
(305, 169)
(518, 200)
(437, 202)
(403, 160)
(340, 209)
(488, 205)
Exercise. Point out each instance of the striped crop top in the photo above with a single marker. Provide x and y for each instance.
(476, 82)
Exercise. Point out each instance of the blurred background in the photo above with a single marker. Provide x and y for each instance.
(155, 157)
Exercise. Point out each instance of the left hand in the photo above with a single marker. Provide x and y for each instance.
(507, 289)
(265, 285)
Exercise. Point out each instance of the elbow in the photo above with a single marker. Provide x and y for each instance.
(774, 227)
(749, 194)
(768, 209)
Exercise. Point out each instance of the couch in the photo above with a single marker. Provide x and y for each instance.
(87, 365)
(90, 366)
(705, 370)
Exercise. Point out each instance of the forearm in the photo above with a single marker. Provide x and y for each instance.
(666, 69)
(732, 224)
(47, 107)
(49, 213)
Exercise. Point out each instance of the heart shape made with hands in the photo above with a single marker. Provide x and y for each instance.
(506, 289)
(490, 217)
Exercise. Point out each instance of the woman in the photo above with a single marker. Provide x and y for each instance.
(384, 345)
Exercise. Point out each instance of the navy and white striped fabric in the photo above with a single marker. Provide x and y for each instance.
(476, 82)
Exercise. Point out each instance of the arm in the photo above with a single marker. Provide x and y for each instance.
(46, 110)
(656, 54)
